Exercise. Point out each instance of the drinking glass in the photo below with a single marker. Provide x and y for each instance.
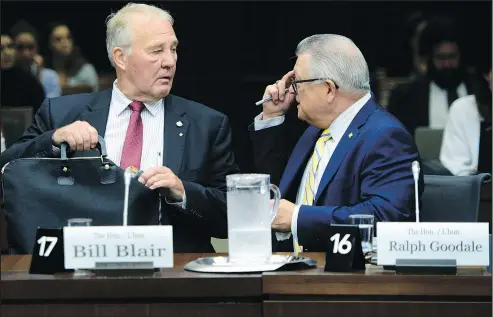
(80, 222)
(365, 225)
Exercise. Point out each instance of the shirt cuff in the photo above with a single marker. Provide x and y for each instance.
(294, 227)
(182, 203)
(294, 223)
(261, 124)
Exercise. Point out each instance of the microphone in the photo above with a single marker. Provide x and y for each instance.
(127, 177)
(416, 169)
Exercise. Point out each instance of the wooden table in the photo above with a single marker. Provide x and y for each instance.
(171, 292)
(175, 292)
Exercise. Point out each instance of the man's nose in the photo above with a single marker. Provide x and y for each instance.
(168, 60)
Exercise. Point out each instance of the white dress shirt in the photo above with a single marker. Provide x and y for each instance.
(153, 139)
(336, 130)
(438, 107)
(459, 152)
(116, 129)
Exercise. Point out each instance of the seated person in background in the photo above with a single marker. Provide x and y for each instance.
(19, 87)
(26, 43)
(67, 60)
(461, 139)
(354, 158)
(426, 99)
(140, 120)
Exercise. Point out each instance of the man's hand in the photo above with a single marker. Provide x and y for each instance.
(80, 136)
(282, 222)
(281, 100)
(163, 178)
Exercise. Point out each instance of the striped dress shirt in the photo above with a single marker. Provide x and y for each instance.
(153, 139)
(116, 129)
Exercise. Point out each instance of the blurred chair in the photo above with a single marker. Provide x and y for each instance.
(72, 90)
(15, 120)
(429, 142)
(386, 84)
(452, 198)
(106, 80)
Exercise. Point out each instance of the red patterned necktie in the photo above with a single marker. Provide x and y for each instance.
(132, 148)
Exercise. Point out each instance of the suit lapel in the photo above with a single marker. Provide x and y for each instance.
(347, 142)
(302, 150)
(175, 134)
(97, 112)
(97, 115)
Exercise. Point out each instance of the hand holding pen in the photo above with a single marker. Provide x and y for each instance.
(277, 97)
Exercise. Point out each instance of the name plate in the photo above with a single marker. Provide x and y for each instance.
(118, 247)
(466, 243)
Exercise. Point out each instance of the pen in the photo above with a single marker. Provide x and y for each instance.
(258, 103)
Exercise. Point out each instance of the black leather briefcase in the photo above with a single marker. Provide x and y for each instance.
(46, 192)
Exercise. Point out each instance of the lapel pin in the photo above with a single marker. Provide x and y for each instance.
(179, 124)
(350, 135)
(180, 134)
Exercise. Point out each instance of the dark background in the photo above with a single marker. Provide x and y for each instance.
(229, 51)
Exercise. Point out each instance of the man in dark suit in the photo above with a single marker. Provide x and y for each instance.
(354, 158)
(183, 148)
(425, 100)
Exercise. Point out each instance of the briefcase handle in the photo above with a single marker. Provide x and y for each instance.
(107, 168)
(101, 147)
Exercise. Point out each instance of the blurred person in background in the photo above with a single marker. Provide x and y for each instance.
(425, 100)
(67, 60)
(460, 151)
(19, 87)
(27, 57)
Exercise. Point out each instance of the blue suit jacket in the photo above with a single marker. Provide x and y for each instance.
(368, 173)
(201, 158)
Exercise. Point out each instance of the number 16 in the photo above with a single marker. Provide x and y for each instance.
(341, 246)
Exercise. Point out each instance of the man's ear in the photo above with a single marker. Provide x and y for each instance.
(119, 58)
(331, 91)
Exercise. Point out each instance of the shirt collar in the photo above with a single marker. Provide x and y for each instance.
(123, 101)
(342, 122)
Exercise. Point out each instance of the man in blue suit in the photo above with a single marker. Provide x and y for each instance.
(354, 158)
(183, 148)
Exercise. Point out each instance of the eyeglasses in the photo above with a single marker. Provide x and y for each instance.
(295, 82)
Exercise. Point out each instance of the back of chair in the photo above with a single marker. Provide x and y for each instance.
(15, 120)
(452, 198)
(429, 142)
(72, 90)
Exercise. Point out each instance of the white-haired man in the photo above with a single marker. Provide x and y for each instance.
(354, 158)
(183, 147)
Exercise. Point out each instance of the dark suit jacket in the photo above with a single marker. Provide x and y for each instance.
(368, 173)
(201, 158)
(409, 102)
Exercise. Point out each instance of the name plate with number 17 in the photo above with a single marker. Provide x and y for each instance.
(115, 247)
